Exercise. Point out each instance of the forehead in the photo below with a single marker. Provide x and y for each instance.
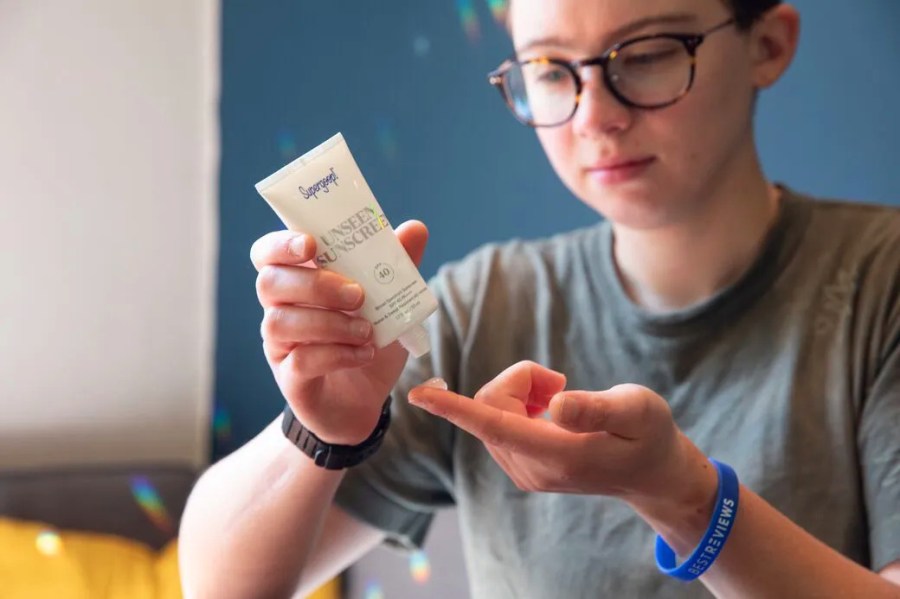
(593, 24)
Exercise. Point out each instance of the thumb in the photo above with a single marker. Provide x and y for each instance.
(626, 411)
(413, 235)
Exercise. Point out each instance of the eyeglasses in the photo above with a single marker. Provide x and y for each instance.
(647, 72)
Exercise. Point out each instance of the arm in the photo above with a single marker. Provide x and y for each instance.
(766, 554)
(624, 443)
(260, 523)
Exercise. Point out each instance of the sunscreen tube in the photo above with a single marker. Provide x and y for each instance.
(323, 194)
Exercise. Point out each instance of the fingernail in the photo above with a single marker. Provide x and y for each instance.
(364, 353)
(416, 400)
(436, 383)
(360, 327)
(351, 294)
(298, 245)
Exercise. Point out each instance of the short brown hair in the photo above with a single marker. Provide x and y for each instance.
(747, 12)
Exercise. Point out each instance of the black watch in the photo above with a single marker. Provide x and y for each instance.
(330, 456)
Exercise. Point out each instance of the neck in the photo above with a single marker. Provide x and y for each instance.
(681, 264)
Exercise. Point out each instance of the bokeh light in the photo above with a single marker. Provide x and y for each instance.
(387, 139)
(49, 543)
(149, 500)
(221, 424)
(499, 8)
(419, 567)
(287, 145)
(421, 46)
(469, 19)
(373, 591)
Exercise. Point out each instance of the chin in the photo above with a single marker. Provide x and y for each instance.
(636, 205)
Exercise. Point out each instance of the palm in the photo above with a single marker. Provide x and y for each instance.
(353, 397)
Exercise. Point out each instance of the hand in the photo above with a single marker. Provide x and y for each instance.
(319, 350)
(620, 442)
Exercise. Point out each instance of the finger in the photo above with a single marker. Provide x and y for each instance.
(293, 324)
(278, 285)
(414, 236)
(526, 383)
(282, 247)
(276, 253)
(493, 426)
(628, 411)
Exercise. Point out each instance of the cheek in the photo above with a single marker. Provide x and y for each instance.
(709, 123)
(559, 146)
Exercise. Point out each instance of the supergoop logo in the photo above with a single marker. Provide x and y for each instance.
(322, 185)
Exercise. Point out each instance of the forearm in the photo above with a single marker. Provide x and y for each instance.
(252, 519)
(766, 555)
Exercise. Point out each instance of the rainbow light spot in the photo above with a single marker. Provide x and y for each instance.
(469, 19)
(149, 500)
(421, 46)
(221, 424)
(419, 567)
(49, 543)
(387, 139)
(287, 147)
(373, 591)
(499, 8)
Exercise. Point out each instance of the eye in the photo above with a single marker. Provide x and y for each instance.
(651, 56)
(649, 59)
(554, 74)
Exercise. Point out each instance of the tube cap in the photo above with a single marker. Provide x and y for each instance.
(416, 341)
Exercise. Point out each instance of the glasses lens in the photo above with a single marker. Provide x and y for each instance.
(652, 72)
(541, 93)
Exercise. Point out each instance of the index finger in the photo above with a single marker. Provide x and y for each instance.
(528, 383)
(493, 426)
(282, 247)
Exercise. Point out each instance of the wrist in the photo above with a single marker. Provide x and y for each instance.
(682, 514)
(332, 456)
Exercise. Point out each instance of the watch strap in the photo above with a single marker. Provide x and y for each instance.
(329, 455)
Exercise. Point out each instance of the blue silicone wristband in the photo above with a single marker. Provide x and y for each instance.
(716, 534)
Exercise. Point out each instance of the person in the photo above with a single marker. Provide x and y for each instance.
(594, 376)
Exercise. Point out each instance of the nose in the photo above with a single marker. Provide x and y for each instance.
(599, 111)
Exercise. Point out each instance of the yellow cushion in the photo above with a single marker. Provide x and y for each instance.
(37, 562)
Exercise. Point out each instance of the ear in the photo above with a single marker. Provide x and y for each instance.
(773, 44)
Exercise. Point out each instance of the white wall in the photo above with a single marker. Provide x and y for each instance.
(108, 167)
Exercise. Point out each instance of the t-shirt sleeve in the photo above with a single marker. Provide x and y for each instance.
(879, 433)
(399, 489)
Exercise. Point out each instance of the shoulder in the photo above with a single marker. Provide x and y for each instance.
(854, 247)
(849, 235)
(866, 226)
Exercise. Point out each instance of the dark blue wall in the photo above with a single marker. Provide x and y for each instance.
(405, 83)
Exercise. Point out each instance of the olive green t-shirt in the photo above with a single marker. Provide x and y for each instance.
(791, 375)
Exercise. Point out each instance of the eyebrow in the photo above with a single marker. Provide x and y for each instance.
(618, 34)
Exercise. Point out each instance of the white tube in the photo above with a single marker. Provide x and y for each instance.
(323, 194)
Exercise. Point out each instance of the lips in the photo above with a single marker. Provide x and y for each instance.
(619, 170)
(612, 165)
